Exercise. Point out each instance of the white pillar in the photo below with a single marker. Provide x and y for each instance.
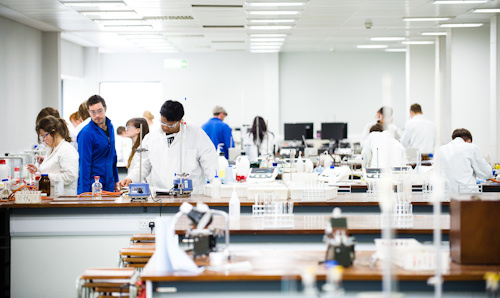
(494, 90)
(51, 70)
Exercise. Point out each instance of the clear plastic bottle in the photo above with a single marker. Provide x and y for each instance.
(97, 189)
(216, 186)
(17, 174)
(4, 170)
(234, 206)
(242, 167)
(223, 164)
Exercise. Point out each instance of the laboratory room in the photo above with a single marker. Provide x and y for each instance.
(243, 148)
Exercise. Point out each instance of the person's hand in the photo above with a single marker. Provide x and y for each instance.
(124, 182)
(31, 168)
(40, 159)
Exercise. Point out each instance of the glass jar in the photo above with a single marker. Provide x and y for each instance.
(44, 184)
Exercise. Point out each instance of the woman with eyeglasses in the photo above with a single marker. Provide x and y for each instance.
(61, 158)
(133, 131)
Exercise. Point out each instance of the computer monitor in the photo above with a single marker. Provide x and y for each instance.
(334, 131)
(298, 131)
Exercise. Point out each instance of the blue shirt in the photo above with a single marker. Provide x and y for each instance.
(97, 157)
(220, 133)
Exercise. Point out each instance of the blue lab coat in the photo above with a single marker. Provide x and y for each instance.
(220, 133)
(97, 157)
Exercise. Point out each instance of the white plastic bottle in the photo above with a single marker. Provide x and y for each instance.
(223, 164)
(300, 164)
(229, 175)
(242, 166)
(216, 186)
(97, 188)
(234, 206)
(308, 166)
(4, 170)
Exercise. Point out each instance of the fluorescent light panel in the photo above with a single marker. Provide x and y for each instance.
(433, 33)
(272, 4)
(266, 44)
(271, 21)
(266, 39)
(417, 42)
(395, 50)
(486, 10)
(425, 19)
(463, 25)
(270, 27)
(459, 1)
(372, 46)
(120, 22)
(387, 38)
(124, 14)
(268, 35)
(273, 12)
(100, 5)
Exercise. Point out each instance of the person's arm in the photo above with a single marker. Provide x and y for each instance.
(85, 162)
(481, 168)
(68, 162)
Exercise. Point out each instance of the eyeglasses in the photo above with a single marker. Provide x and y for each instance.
(42, 139)
(98, 112)
(130, 127)
(174, 125)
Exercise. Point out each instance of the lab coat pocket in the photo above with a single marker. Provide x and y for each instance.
(190, 161)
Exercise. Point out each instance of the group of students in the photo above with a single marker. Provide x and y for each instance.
(172, 148)
(459, 161)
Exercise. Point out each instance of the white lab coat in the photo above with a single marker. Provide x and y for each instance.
(460, 162)
(251, 148)
(61, 163)
(366, 132)
(419, 133)
(381, 150)
(161, 162)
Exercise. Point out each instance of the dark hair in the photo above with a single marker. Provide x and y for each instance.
(462, 133)
(83, 112)
(262, 128)
(172, 110)
(54, 125)
(47, 112)
(95, 99)
(120, 130)
(377, 127)
(385, 110)
(416, 108)
(136, 122)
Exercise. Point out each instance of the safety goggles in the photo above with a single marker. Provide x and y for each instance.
(173, 125)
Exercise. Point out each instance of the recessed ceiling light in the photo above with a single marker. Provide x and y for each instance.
(271, 21)
(264, 47)
(425, 19)
(266, 39)
(282, 4)
(433, 33)
(264, 51)
(268, 35)
(266, 43)
(485, 10)
(395, 50)
(417, 42)
(459, 1)
(273, 12)
(372, 46)
(387, 38)
(464, 25)
(270, 27)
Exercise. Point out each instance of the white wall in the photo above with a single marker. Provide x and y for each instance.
(20, 84)
(470, 102)
(340, 87)
(245, 84)
(421, 74)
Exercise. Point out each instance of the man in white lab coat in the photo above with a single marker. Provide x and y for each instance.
(460, 161)
(175, 148)
(384, 117)
(381, 150)
(419, 131)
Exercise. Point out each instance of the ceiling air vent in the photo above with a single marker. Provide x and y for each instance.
(168, 18)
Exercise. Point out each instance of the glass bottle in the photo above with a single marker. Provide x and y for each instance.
(44, 184)
(97, 188)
